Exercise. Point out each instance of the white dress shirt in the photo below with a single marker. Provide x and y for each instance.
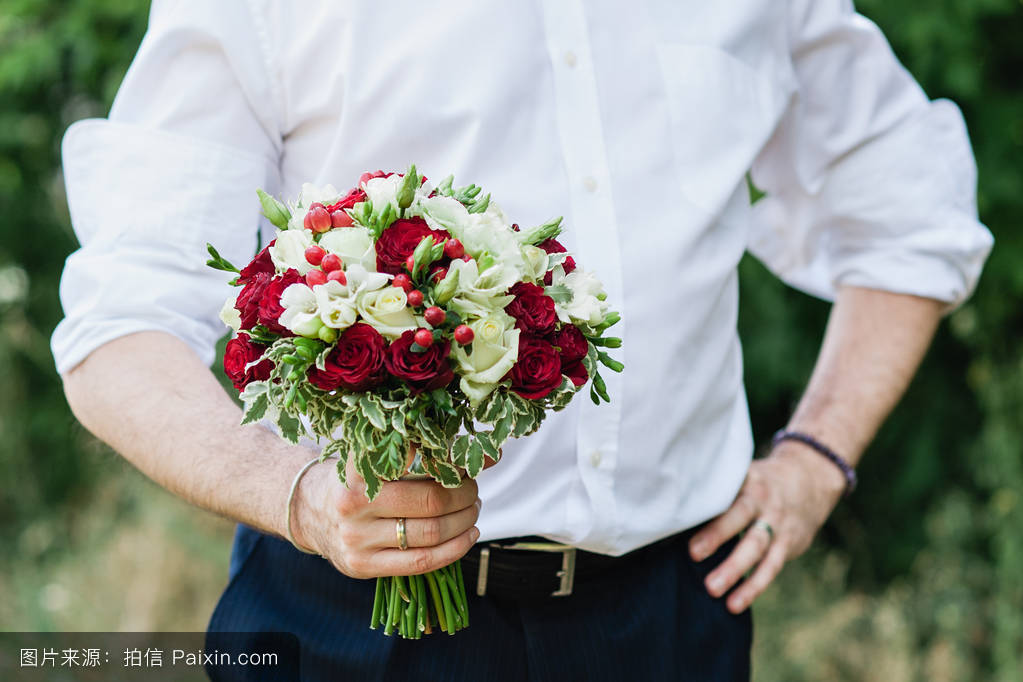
(637, 122)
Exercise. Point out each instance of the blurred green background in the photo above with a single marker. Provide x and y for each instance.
(918, 577)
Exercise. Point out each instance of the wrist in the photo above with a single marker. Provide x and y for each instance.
(307, 506)
(826, 478)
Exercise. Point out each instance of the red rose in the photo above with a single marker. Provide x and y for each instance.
(349, 200)
(247, 303)
(261, 263)
(356, 363)
(270, 308)
(240, 351)
(552, 245)
(575, 371)
(421, 371)
(538, 369)
(532, 309)
(399, 240)
(571, 343)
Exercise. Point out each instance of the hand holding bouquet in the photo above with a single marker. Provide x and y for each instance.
(412, 330)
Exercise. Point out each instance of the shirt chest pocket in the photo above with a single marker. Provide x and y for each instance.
(722, 111)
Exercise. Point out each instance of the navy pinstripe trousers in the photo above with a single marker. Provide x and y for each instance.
(655, 623)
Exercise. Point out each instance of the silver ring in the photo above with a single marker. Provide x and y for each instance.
(399, 528)
(760, 523)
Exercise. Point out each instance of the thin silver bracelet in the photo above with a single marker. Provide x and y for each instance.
(287, 508)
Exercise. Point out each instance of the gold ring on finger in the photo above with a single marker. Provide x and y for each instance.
(399, 528)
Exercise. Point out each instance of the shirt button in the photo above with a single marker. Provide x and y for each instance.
(570, 59)
(595, 458)
(590, 184)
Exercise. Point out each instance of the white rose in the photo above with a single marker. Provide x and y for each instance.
(585, 305)
(289, 250)
(229, 315)
(301, 313)
(387, 311)
(480, 294)
(495, 348)
(383, 191)
(353, 245)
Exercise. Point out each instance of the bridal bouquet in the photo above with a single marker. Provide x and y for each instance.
(401, 318)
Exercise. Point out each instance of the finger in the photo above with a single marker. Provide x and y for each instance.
(417, 560)
(426, 532)
(754, 586)
(489, 461)
(746, 554)
(723, 528)
(422, 499)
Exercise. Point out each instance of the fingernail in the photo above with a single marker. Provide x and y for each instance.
(474, 533)
(479, 504)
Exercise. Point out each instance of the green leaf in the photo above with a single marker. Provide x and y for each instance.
(373, 412)
(503, 428)
(560, 293)
(365, 469)
(460, 451)
(474, 458)
(444, 473)
(217, 262)
(486, 441)
(291, 427)
(275, 211)
(255, 410)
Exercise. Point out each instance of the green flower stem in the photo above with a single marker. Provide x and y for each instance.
(437, 601)
(402, 587)
(410, 615)
(421, 599)
(378, 605)
(392, 612)
(449, 610)
(464, 602)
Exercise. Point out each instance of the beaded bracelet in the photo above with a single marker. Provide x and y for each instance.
(837, 460)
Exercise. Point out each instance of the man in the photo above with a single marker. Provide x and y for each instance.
(639, 125)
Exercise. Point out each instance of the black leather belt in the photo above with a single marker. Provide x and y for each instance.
(534, 568)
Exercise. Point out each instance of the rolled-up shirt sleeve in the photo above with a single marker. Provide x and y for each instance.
(189, 139)
(868, 182)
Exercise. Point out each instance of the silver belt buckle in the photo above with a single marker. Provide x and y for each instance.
(566, 574)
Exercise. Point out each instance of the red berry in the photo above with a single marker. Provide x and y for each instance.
(410, 263)
(467, 258)
(438, 273)
(330, 263)
(453, 248)
(337, 276)
(315, 278)
(424, 337)
(307, 222)
(464, 334)
(415, 298)
(402, 281)
(435, 316)
(317, 219)
(341, 219)
(314, 254)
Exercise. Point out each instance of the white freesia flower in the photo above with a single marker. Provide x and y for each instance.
(387, 311)
(480, 294)
(383, 191)
(310, 194)
(353, 245)
(229, 315)
(495, 348)
(536, 261)
(301, 312)
(289, 250)
(487, 232)
(337, 303)
(585, 305)
(336, 307)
